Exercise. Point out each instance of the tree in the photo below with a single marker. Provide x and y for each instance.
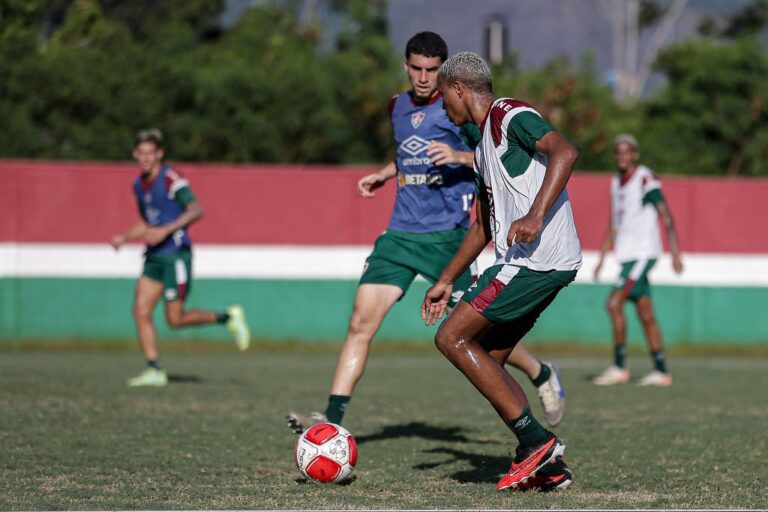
(711, 118)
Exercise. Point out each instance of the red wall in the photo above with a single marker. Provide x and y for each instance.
(270, 204)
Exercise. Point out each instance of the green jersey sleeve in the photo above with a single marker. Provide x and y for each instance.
(527, 128)
(470, 135)
(653, 196)
(184, 196)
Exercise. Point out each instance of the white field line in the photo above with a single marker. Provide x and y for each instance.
(333, 262)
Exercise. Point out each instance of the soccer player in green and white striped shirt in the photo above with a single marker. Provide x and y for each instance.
(636, 205)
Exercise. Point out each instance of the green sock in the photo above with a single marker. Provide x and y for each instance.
(528, 431)
(658, 361)
(154, 363)
(620, 355)
(337, 405)
(544, 375)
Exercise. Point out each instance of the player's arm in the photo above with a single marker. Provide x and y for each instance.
(193, 212)
(561, 158)
(477, 238)
(669, 225)
(367, 184)
(610, 235)
(443, 154)
(137, 231)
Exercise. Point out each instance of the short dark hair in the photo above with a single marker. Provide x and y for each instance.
(152, 135)
(427, 44)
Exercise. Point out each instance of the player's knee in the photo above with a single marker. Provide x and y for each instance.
(448, 342)
(142, 311)
(175, 321)
(613, 306)
(359, 324)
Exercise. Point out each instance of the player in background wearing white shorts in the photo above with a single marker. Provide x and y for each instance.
(636, 205)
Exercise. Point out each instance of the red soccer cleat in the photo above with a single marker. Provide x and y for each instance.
(552, 477)
(528, 461)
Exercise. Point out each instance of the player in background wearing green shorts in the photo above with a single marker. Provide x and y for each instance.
(167, 208)
(435, 193)
(636, 205)
(522, 166)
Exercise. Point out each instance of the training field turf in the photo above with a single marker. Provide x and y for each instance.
(73, 436)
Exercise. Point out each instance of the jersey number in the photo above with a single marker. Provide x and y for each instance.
(466, 200)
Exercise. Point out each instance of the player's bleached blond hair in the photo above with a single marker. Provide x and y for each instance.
(152, 135)
(468, 68)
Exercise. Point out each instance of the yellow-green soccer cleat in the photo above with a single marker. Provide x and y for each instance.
(238, 327)
(149, 377)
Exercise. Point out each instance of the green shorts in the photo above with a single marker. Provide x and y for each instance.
(398, 257)
(516, 296)
(633, 280)
(174, 271)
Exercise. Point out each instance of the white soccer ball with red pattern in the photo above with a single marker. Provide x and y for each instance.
(326, 453)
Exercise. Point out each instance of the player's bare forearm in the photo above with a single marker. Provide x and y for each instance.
(388, 171)
(135, 232)
(669, 226)
(477, 238)
(192, 214)
(561, 157)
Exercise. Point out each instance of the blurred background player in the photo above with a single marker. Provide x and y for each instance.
(435, 193)
(167, 208)
(522, 166)
(633, 232)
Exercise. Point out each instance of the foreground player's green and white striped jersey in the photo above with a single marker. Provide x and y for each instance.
(634, 216)
(509, 173)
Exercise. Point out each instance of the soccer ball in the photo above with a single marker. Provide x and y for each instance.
(326, 453)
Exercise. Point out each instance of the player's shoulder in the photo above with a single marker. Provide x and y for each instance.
(173, 178)
(509, 108)
(647, 175)
(398, 99)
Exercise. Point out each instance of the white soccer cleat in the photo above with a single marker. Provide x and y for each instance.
(149, 377)
(238, 327)
(656, 378)
(300, 422)
(552, 397)
(611, 376)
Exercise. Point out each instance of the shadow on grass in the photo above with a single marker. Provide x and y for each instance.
(485, 468)
(184, 379)
(422, 430)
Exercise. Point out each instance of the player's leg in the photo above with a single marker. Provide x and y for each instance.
(478, 338)
(372, 303)
(659, 376)
(147, 294)
(387, 275)
(618, 373)
(546, 378)
(177, 279)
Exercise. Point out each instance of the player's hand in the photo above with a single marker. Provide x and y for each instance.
(117, 241)
(155, 235)
(436, 302)
(368, 184)
(677, 263)
(524, 230)
(442, 154)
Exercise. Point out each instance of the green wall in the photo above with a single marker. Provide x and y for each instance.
(100, 310)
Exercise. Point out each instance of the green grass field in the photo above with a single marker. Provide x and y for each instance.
(73, 436)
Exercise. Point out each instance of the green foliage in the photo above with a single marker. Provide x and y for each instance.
(78, 77)
(574, 101)
(711, 118)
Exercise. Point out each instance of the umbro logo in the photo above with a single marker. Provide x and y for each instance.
(414, 145)
(417, 119)
(523, 422)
